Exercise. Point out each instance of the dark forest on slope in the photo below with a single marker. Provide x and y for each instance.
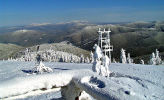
(138, 38)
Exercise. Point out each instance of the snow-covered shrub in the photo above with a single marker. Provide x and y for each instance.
(123, 57)
(152, 59)
(101, 62)
(155, 58)
(129, 60)
(82, 58)
(98, 53)
(104, 69)
(87, 60)
(97, 61)
(158, 59)
(114, 61)
(40, 68)
(142, 62)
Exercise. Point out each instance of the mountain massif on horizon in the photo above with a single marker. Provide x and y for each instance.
(137, 38)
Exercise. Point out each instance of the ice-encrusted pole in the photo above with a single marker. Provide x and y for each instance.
(104, 42)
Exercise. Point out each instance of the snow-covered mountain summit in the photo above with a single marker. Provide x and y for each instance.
(126, 82)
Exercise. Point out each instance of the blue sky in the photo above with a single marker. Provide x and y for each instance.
(23, 12)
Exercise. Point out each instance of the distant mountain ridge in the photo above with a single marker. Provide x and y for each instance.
(8, 50)
(138, 38)
(38, 34)
(15, 51)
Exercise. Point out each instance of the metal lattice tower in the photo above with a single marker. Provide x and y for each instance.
(104, 42)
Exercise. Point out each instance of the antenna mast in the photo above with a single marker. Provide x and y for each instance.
(104, 42)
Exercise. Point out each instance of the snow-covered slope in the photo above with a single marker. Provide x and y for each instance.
(127, 81)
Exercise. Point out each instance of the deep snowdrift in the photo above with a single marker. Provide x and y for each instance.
(126, 82)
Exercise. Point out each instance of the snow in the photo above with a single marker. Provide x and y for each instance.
(123, 57)
(22, 85)
(91, 57)
(38, 95)
(155, 58)
(40, 68)
(51, 55)
(98, 53)
(126, 81)
(101, 62)
(24, 30)
(142, 61)
(129, 60)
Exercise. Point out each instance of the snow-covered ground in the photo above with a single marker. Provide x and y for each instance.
(126, 82)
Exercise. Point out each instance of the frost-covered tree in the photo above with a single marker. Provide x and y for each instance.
(82, 58)
(129, 60)
(39, 69)
(104, 69)
(101, 62)
(91, 57)
(39, 66)
(98, 53)
(123, 57)
(155, 58)
(114, 61)
(142, 61)
(27, 53)
(97, 59)
(158, 59)
(51, 55)
(38, 59)
(87, 60)
(152, 59)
